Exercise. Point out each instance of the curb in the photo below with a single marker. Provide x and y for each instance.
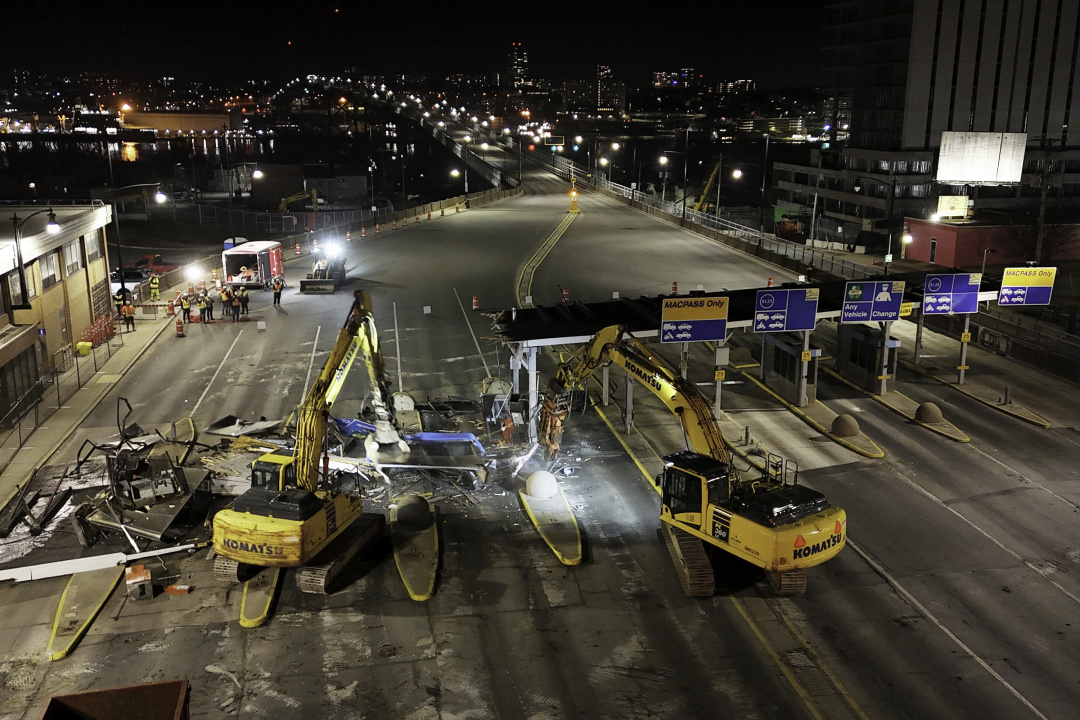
(818, 426)
(52, 451)
(1035, 419)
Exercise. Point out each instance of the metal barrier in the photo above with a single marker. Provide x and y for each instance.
(47, 395)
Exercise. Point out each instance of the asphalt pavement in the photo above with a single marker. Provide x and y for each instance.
(1003, 386)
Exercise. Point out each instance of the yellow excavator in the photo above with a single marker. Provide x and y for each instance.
(288, 519)
(702, 201)
(286, 201)
(770, 521)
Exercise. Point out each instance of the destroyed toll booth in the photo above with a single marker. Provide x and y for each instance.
(144, 498)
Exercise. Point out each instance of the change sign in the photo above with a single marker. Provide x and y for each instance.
(949, 294)
(1027, 286)
(872, 301)
(693, 319)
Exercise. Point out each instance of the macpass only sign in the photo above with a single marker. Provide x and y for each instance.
(1027, 286)
(693, 319)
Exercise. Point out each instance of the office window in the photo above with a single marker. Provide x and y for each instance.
(72, 258)
(93, 246)
(50, 270)
(15, 284)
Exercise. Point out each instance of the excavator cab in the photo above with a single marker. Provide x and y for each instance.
(274, 471)
(690, 483)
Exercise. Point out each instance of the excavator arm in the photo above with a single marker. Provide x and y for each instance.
(649, 369)
(708, 186)
(286, 201)
(358, 336)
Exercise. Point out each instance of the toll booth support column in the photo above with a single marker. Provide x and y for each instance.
(883, 375)
(684, 360)
(804, 368)
(918, 334)
(629, 405)
(534, 393)
(515, 367)
(964, 339)
(605, 393)
(721, 357)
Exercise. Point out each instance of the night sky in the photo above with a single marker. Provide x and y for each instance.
(773, 42)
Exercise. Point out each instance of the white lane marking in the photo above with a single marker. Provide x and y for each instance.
(216, 373)
(935, 499)
(311, 362)
(487, 372)
(941, 626)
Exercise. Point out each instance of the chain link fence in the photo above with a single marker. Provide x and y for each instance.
(72, 371)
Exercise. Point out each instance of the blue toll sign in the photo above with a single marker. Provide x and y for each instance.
(872, 301)
(785, 310)
(951, 294)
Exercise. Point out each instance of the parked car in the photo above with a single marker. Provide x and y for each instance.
(133, 279)
(151, 263)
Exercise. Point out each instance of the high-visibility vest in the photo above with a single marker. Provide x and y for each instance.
(128, 310)
(185, 303)
(119, 298)
(154, 283)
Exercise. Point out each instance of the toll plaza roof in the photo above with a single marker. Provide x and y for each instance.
(576, 322)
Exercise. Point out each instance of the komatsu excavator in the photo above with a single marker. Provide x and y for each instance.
(780, 527)
(288, 519)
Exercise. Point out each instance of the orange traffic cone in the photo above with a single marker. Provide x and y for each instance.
(475, 303)
(457, 208)
(428, 214)
(770, 281)
(348, 236)
(377, 231)
(393, 224)
(565, 295)
(404, 221)
(442, 212)
(362, 233)
(674, 287)
(179, 326)
(297, 248)
(418, 216)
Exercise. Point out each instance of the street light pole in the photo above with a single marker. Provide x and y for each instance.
(686, 163)
(764, 172)
(52, 228)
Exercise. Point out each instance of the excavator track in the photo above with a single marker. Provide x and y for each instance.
(232, 571)
(791, 582)
(323, 573)
(691, 563)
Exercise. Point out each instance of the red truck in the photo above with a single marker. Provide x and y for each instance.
(151, 264)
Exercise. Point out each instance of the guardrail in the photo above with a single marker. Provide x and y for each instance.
(1007, 332)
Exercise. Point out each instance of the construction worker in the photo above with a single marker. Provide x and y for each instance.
(226, 301)
(128, 311)
(155, 282)
(209, 307)
(119, 298)
(279, 284)
(236, 305)
(243, 300)
(200, 303)
(185, 306)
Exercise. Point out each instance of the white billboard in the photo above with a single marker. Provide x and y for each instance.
(987, 158)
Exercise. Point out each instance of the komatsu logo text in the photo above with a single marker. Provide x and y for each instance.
(255, 548)
(808, 550)
(648, 377)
